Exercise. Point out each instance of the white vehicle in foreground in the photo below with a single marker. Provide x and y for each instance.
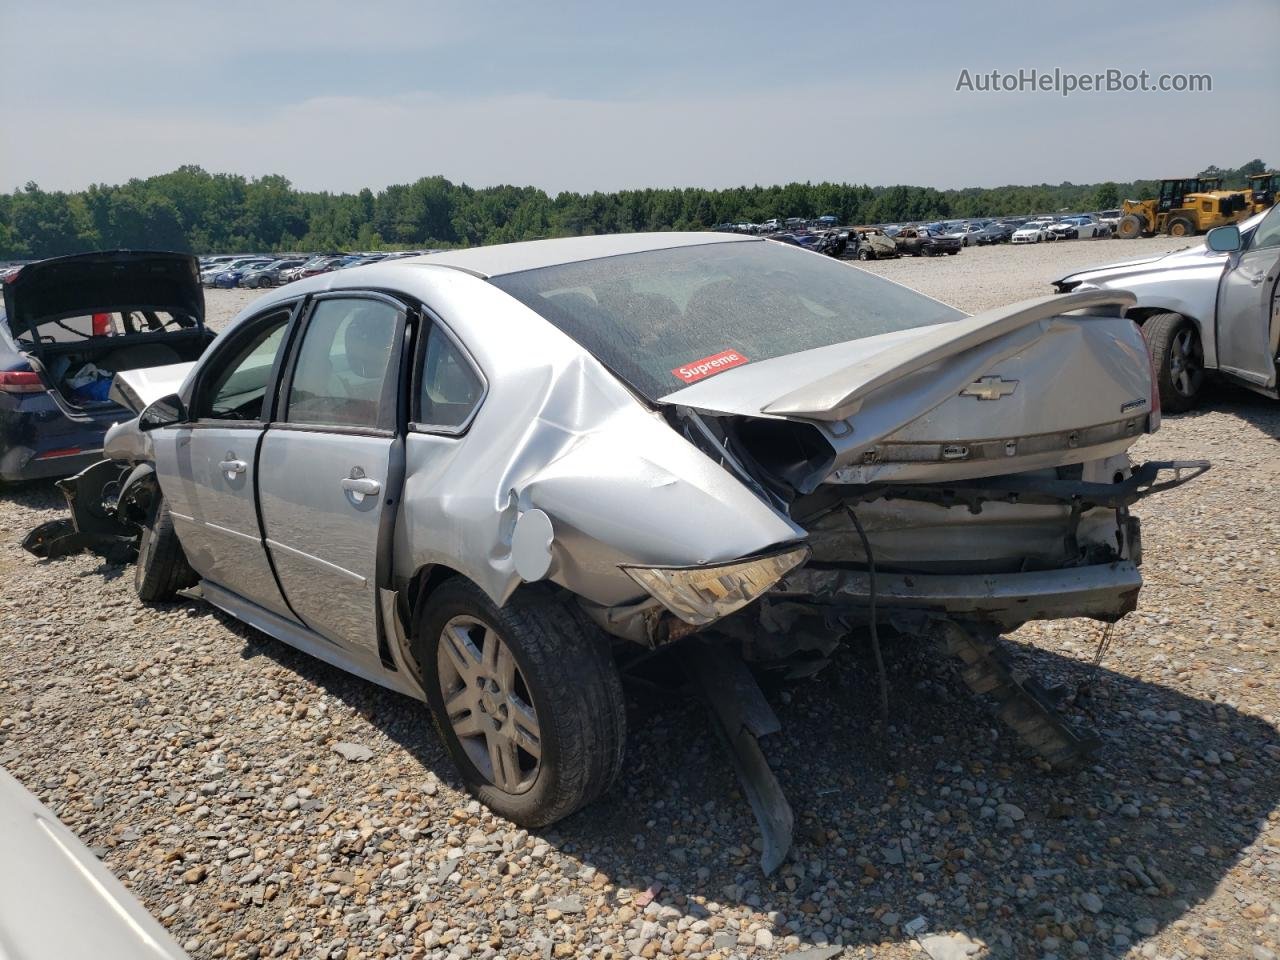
(1210, 308)
(57, 900)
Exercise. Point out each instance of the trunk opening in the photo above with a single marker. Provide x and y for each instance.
(80, 373)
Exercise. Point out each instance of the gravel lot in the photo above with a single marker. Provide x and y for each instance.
(195, 755)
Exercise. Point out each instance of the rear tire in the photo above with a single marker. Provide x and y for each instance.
(1174, 342)
(1180, 227)
(864, 255)
(551, 671)
(162, 569)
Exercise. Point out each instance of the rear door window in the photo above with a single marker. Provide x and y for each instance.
(451, 388)
(341, 373)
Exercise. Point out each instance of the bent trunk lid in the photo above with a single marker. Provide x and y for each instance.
(1022, 387)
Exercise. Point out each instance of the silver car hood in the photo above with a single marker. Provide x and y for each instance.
(63, 902)
(135, 389)
(1194, 256)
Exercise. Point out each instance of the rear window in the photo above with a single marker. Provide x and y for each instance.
(115, 324)
(650, 316)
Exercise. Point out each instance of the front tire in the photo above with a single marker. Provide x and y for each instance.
(162, 569)
(864, 255)
(526, 698)
(1130, 227)
(1174, 342)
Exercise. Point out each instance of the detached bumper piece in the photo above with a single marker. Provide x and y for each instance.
(741, 716)
(92, 524)
(1025, 704)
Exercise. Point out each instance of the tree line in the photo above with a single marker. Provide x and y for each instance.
(191, 209)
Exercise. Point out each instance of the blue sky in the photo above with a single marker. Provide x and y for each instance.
(605, 96)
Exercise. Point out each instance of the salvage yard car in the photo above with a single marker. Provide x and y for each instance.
(1033, 232)
(68, 326)
(922, 242)
(1213, 308)
(484, 476)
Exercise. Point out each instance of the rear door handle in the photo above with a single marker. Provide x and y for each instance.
(362, 486)
(232, 467)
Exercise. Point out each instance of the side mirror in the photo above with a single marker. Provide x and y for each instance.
(164, 412)
(1223, 239)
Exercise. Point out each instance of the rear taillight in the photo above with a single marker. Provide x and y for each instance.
(20, 381)
(102, 324)
(1153, 419)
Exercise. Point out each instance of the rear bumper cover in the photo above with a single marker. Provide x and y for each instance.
(1100, 592)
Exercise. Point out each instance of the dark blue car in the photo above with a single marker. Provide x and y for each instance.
(67, 326)
(231, 278)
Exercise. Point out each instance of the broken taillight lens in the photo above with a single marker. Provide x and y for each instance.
(699, 595)
(20, 381)
(102, 324)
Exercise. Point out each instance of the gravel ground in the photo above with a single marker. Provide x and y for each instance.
(196, 757)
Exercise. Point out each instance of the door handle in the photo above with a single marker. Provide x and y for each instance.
(232, 467)
(361, 486)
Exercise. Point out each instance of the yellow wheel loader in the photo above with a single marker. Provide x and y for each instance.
(1184, 207)
(1262, 191)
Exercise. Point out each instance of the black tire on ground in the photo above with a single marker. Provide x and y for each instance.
(1131, 227)
(162, 569)
(1174, 343)
(1180, 227)
(565, 668)
(864, 255)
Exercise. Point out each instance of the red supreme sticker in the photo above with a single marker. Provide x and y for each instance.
(709, 366)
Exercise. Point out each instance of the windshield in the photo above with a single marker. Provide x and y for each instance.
(649, 315)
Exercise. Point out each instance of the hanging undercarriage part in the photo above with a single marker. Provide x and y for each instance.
(1026, 705)
(741, 716)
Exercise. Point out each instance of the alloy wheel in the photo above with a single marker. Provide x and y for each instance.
(1186, 362)
(488, 704)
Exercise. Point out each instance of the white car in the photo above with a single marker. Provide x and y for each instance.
(1033, 232)
(63, 902)
(1079, 228)
(1212, 309)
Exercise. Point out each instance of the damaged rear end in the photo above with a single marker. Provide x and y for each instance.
(979, 467)
(953, 483)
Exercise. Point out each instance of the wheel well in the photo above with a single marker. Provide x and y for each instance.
(432, 576)
(1141, 315)
(422, 584)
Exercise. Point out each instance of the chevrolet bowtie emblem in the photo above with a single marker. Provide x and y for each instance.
(990, 388)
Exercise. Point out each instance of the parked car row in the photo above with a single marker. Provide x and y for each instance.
(942, 236)
(258, 272)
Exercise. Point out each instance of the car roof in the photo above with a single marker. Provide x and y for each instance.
(500, 259)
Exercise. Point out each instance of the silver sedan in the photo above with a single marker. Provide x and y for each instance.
(485, 477)
(1212, 309)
